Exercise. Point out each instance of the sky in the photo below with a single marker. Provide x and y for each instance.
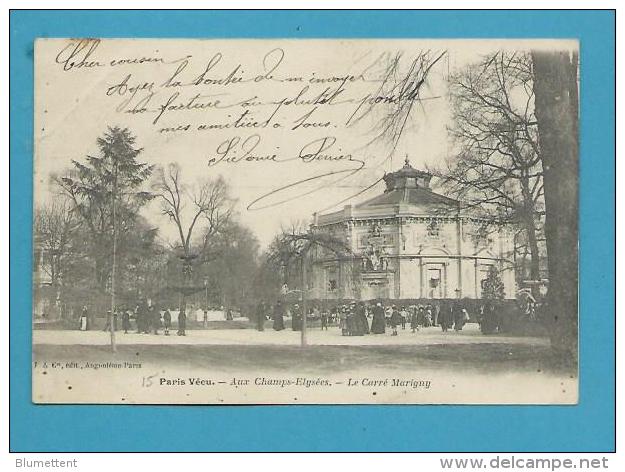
(290, 124)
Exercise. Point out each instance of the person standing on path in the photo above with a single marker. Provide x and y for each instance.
(182, 322)
(167, 321)
(343, 321)
(404, 317)
(278, 317)
(395, 320)
(260, 316)
(84, 319)
(445, 317)
(414, 319)
(324, 320)
(378, 324)
(361, 322)
(155, 318)
(125, 320)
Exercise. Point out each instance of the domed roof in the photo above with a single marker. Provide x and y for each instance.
(407, 177)
(409, 186)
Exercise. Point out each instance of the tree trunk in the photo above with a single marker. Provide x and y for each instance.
(530, 229)
(555, 87)
(534, 253)
(101, 272)
(304, 337)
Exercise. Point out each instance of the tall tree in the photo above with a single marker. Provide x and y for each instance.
(230, 264)
(53, 225)
(294, 245)
(400, 86)
(55, 228)
(204, 207)
(142, 261)
(497, 171)
(106, 194)
(556, 89)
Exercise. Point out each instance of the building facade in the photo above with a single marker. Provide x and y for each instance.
(42, 280)
(409, 243)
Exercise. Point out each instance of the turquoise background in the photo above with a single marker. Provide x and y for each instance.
(586, 427)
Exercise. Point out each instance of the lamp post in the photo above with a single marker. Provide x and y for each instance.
(304, 307)
(206, 293)
(114, 258)
(187, 273)
(231, 246)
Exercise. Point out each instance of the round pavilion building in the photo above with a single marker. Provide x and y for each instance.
(409, 243)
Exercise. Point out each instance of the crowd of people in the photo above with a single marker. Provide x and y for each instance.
(360, 318)
(352, 319)
(145, 317)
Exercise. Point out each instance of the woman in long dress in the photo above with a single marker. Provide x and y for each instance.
(83, 320)
(278, 317)
(378, 324)
(351, 321)
(343, 321)
(429, 316)
(182, 322)
(359, 323)
(445, 317)
(459, 317)
(421, 316)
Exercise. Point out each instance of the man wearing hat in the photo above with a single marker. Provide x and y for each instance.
(296, 319)
(395, 320)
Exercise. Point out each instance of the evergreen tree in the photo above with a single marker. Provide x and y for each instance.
(493, 288)
(114, 179)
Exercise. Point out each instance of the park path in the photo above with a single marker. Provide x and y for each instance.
(427, 336)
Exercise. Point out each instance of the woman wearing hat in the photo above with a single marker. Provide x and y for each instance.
(343, 321)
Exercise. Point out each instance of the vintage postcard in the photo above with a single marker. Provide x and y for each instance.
(305, 221)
